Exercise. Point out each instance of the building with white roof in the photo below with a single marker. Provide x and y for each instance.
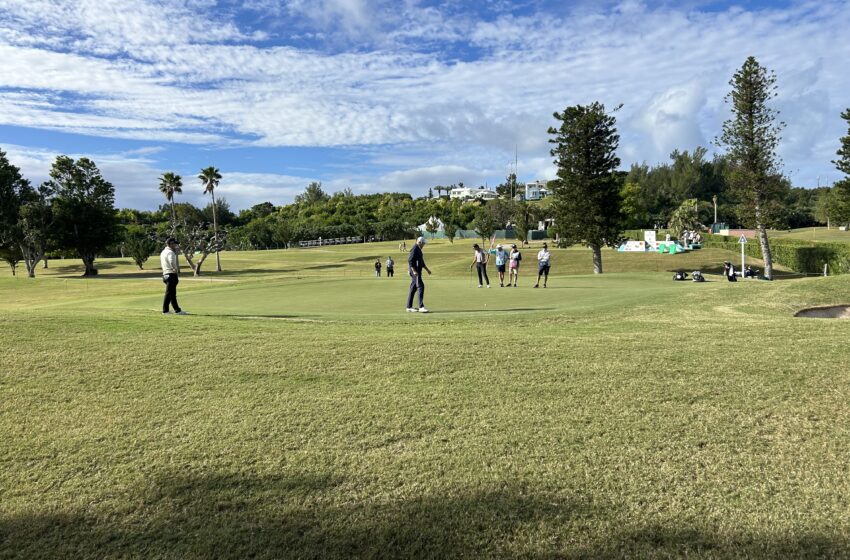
(466, 193)
(535, 190)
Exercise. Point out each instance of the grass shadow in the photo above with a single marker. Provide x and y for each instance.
(239, 516)
(249, 271)
(303, 516)
(245, 316)
(494, 310)
(670, 541)
(115, 275)
(364, 259)
(324, 266)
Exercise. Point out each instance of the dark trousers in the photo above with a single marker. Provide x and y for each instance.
(482, 269)
(416, 284)
(390, 272)
(171, 282)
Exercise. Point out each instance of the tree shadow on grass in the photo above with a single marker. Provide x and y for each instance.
(493, 310)
(242, 272)
(115, 275)
(186, 274)
(656, 541)
(316, 516)
(234, 516)
(324, 266)
(257, 317)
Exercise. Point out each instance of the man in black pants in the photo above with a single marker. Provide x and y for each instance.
(170, 270)
(415, 265)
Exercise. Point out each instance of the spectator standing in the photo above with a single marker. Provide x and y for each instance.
(390, 267)
(543, 258)
(378, 267)
(501, 263)
(513, 265)
(170, 271)
(479, 261)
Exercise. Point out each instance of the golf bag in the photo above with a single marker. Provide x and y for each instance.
(697, 276)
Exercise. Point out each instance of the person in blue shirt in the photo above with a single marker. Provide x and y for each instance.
(501, 262)
(415, 266)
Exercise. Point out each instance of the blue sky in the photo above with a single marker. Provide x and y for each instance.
(400, 95)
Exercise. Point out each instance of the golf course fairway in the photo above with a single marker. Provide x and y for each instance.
(299, 412)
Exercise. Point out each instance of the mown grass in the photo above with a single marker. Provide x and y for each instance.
(831, 235)
(302, 414)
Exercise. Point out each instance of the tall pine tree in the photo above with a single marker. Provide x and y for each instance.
(839, 198)
(751, 137)
(587, 200)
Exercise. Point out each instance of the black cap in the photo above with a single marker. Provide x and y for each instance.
(170, 240)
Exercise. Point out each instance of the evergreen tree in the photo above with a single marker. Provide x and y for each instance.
(751, 137)
(13, 192)
(839, 200)
(83, 208)
(313, 194)
(587, 201)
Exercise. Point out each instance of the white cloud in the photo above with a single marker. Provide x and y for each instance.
(183, 72)
(671, 120)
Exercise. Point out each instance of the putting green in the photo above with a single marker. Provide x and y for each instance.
(378, 298)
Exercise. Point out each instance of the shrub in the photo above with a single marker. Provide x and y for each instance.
(798, 255)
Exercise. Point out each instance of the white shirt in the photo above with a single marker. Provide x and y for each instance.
(168, 261)
(479, 256)
(543, 256)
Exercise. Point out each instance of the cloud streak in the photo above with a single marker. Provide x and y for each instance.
(459, 87)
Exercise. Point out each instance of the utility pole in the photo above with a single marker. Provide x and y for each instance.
(714, 199)
(513, 196)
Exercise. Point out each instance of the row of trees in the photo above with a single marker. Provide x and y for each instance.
(594, 203)
(316, 214)
(74, 213)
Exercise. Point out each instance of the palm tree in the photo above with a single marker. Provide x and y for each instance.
(170, 184)
(210, 178)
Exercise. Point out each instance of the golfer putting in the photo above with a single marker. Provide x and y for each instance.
(415, 266)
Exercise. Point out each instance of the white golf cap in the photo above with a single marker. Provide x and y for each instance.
(499, 246)
(421, 240)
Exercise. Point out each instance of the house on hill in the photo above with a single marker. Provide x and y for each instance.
(536, 190)
(465, 194)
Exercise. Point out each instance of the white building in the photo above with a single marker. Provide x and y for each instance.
(535, 190)
(467, 193)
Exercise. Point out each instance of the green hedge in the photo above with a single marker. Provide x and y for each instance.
(796, 254)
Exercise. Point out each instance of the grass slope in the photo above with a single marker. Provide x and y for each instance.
(831, 235)
(302, 414)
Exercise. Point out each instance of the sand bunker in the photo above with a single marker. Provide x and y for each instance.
(832, 312)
